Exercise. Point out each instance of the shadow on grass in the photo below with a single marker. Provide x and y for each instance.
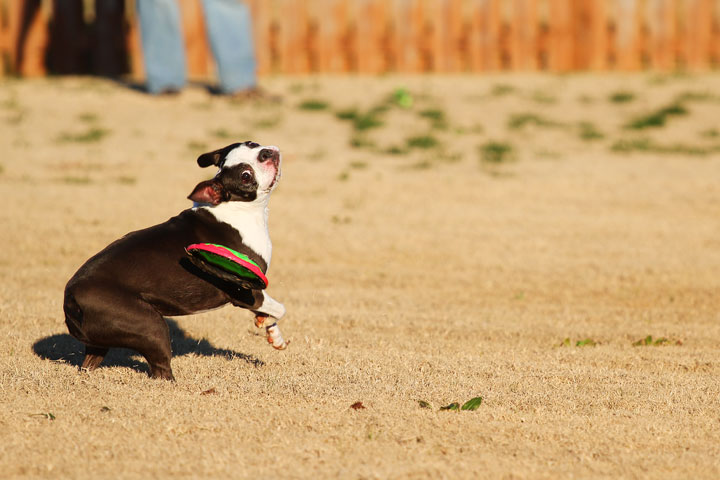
(64, 348)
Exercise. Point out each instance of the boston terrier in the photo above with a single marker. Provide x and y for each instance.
(119, 297)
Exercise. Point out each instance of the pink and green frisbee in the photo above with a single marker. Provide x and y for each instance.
(229, 261)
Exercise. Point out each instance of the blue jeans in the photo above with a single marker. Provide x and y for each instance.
(229, 28)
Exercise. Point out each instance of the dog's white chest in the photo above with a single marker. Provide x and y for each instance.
(250, 220)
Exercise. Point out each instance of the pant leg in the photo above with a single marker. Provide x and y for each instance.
(162, 44)
(229, 27)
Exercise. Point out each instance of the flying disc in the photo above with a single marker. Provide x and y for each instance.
(221, 260)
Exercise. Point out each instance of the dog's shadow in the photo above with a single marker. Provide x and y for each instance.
(64, 348)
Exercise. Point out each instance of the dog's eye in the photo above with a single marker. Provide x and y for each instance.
(246, 176)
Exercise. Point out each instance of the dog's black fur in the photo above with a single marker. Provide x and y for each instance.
(118, 297)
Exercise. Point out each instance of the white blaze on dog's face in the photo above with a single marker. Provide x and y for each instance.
(248, 172)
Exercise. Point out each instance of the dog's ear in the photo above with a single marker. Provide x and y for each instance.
(209, 191)
(216, 157)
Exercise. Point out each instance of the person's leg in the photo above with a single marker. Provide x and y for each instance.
(229, 27)
(162, 42)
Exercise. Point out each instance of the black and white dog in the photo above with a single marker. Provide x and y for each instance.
(118, 297)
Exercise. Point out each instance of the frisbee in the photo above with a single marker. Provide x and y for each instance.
(227, 264)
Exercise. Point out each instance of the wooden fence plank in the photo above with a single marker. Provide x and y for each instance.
(134, 44)
(662, 15)
(699, 27)
(598, 50)
(409, 31)
(261, 35)
(524, 35)
(715, 36)
(490, 34)
(6, 36)
(453, 46)
(36, 42)
(293, 30)
(474, 28)
(628, 25)
(197, 49)
(561, 51)
(370, 29)
(433, 30)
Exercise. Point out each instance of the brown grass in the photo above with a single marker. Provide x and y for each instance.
(439, 284)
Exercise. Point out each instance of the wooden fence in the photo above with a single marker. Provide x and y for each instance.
(376, 36)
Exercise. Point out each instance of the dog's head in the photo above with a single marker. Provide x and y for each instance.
(248, 172)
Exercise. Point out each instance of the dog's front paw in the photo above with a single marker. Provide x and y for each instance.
(275, 338)
(260, 320)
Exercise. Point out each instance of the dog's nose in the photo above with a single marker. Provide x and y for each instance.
(269, 154)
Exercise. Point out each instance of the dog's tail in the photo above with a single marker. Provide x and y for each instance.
(74, 317)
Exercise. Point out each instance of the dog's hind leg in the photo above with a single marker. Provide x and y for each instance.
(148, 333)
(93, 357)
(113, 318)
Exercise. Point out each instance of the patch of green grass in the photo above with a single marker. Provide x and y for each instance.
(501, 89)
(358, 165)
(449, 157)
(360, 141)
(542, 97)
(313, 105)
(366, 122)
(422, 165)
(46, 415)
(296, 88)
(650, 146)
(496, 153)
(422, 142)
(347, 114)
(317, 155)
(664, 78)
(424, 404)
(402, 98)
(621, 96)
(588, 342)
(396, 150)
(520, 120)
(338, 220)
(436, 116)
(73, 180)
(197, 146)
(589, 132)
(88, 117)
(268, 122)
(649, 341)
(710, 133)
(16, 118)
(206, 105)
(470, 406)
(223, 134)
(548, 154)
(91, 135)
(362, 121)
(691, 96)
(11, 103)
(126, 180)
(657, 118)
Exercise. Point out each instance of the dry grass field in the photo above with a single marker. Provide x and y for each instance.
(549, 243)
